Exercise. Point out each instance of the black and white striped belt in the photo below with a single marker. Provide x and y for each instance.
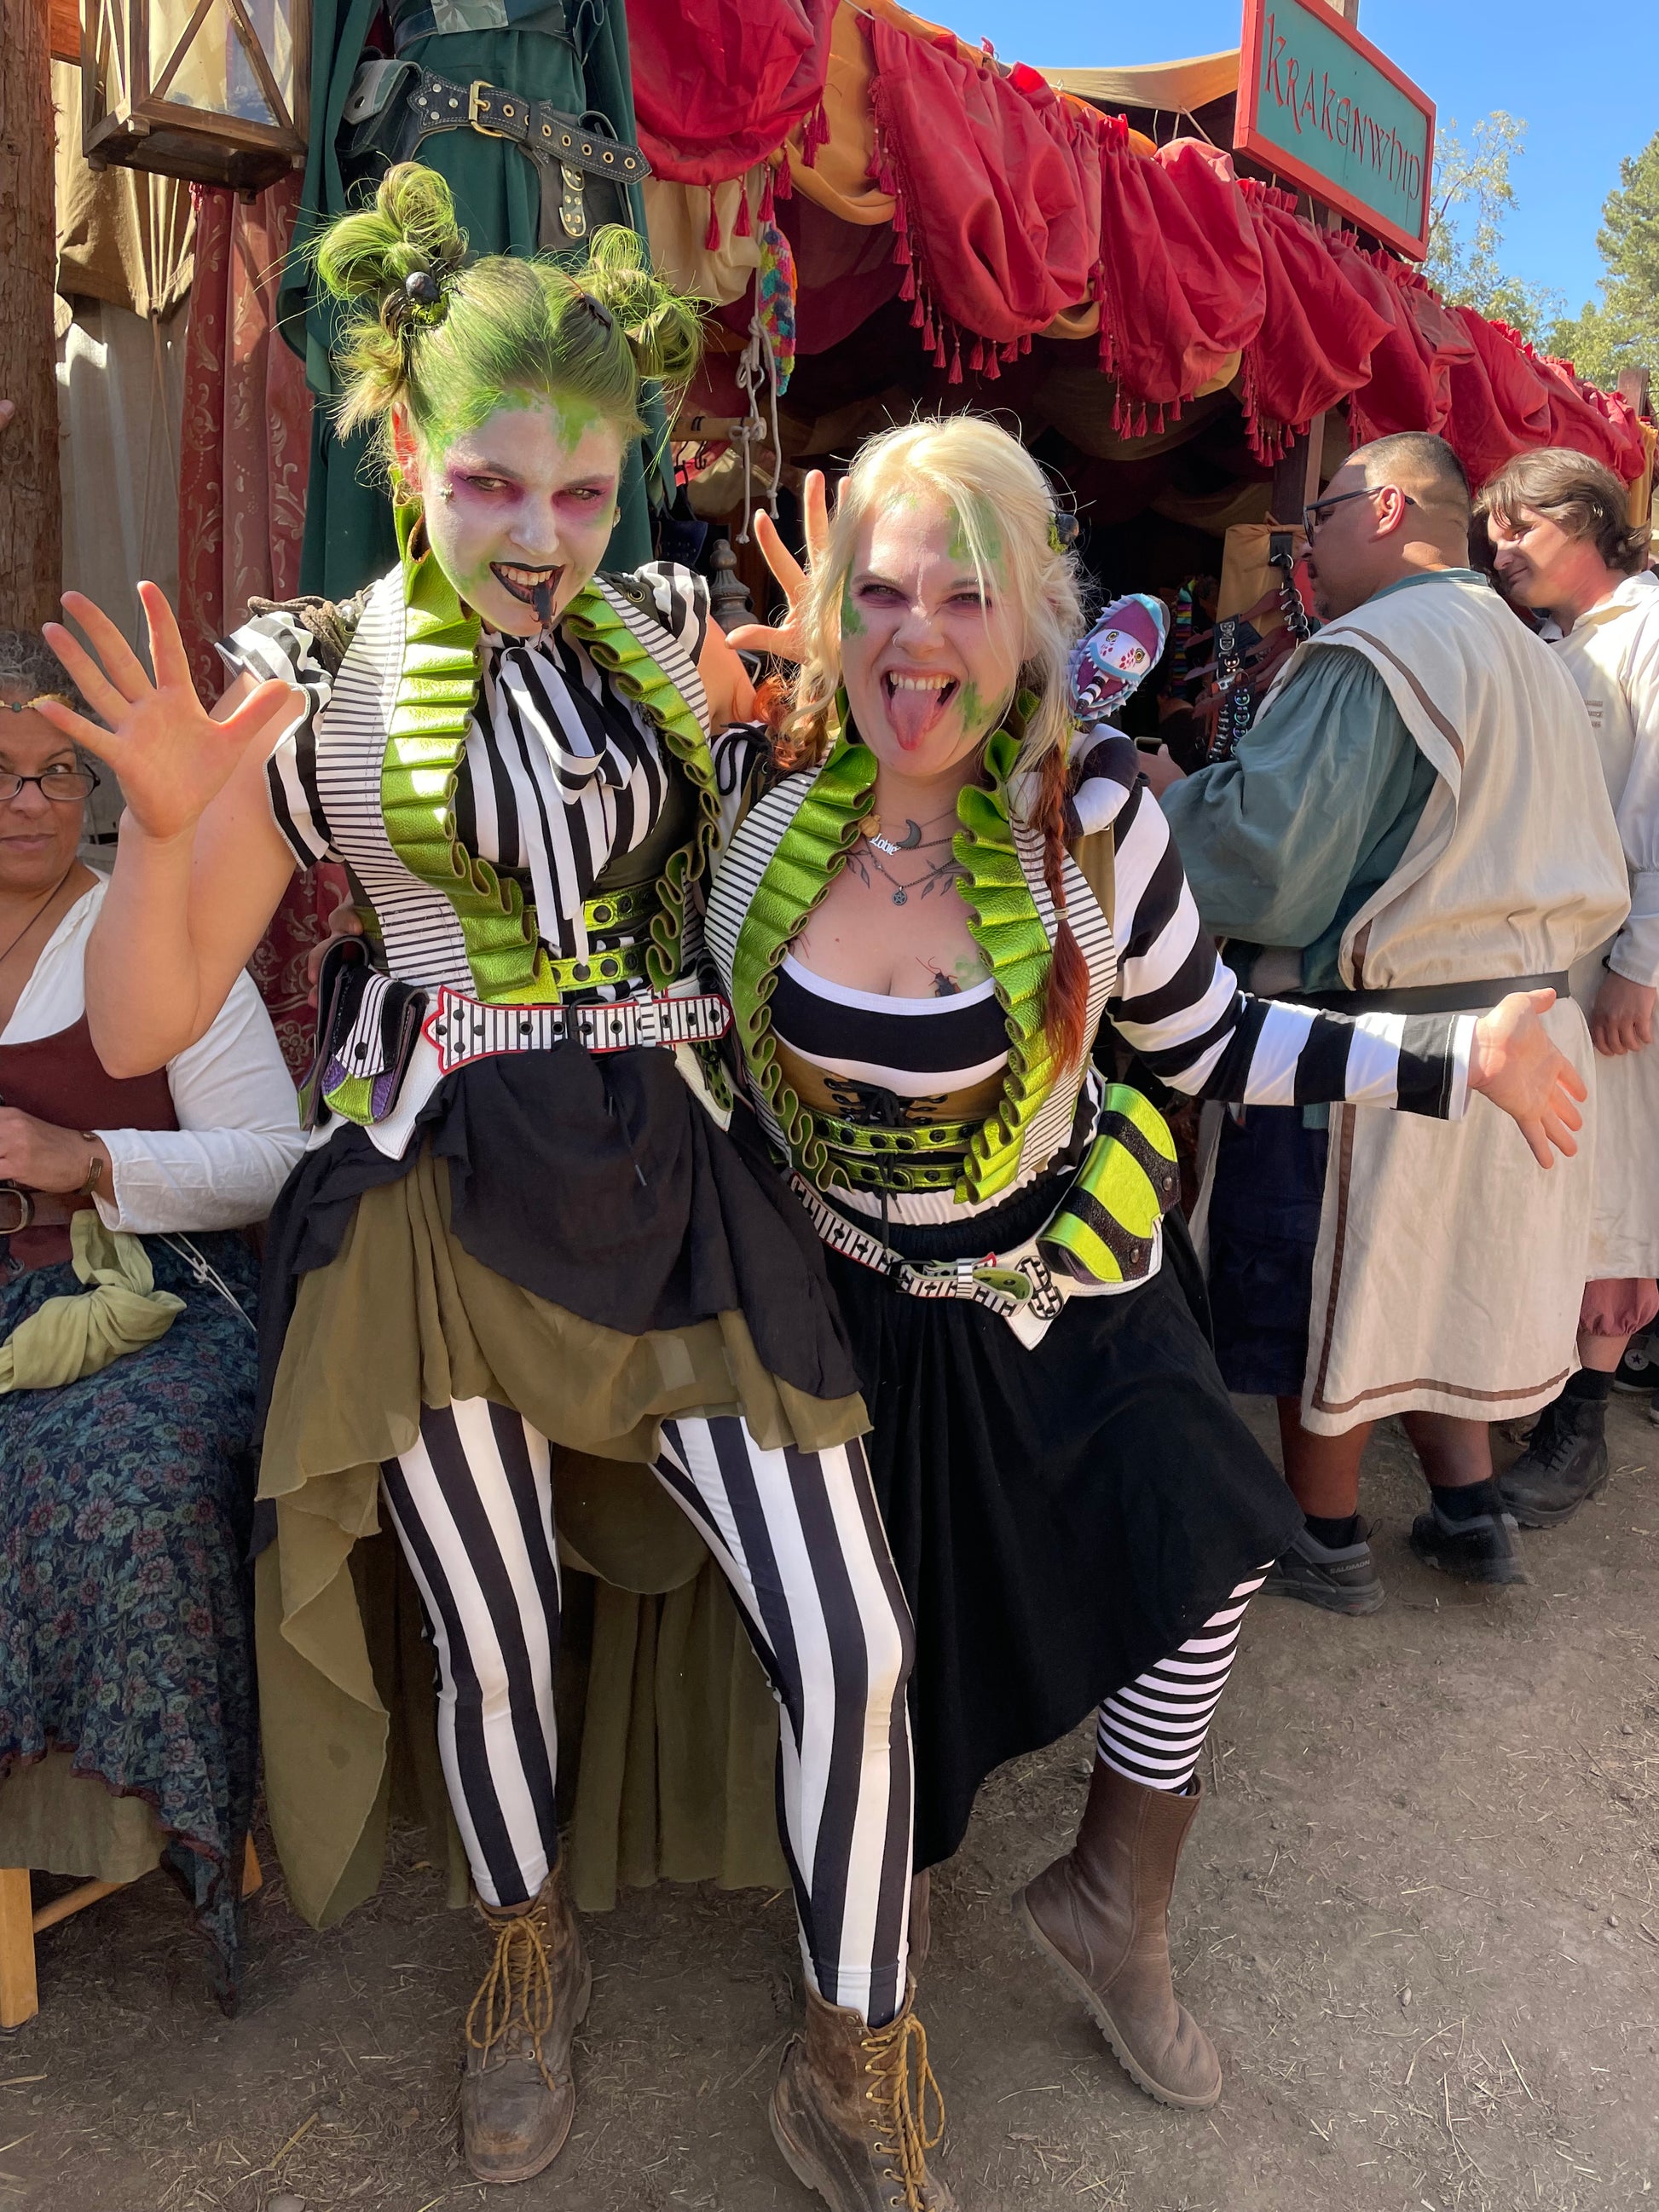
(464, 1028)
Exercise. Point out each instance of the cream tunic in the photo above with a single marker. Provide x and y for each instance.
(1612, 655)
(1449, 1264)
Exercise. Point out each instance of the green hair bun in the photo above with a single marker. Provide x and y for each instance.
(501, 324)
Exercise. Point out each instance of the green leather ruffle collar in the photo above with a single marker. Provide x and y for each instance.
(1002, 918)
(437, 693)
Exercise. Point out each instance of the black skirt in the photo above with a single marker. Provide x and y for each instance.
(1061, 1517)
(598, 1183)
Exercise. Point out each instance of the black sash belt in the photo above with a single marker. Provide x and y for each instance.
(1428, 997)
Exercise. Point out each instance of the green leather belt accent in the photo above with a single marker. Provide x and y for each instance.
(431, 714)
(910, 1139)
(1103, 1232)
(437, 692)
(619, 910)
(1003, 922)
(624, 965)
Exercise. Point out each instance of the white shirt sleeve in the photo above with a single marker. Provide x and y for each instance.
(239, 1133)
(1635, 953)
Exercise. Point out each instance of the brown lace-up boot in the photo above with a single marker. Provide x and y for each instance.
(1101, 1915)
(852, 2108)
(517, 2094)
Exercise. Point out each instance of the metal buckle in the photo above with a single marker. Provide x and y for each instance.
(24, 1202)
(572, 213)
(476, 93)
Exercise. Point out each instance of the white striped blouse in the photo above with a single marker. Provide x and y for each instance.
(560, 772)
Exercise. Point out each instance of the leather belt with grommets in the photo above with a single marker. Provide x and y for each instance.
(464, 1028)
(395, 104)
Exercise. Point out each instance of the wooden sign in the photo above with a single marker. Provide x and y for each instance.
(1321, 106)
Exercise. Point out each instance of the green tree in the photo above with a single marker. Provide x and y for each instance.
(1622, 330)
(1472, 199)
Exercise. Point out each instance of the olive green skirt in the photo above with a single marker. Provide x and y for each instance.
(676, 1725)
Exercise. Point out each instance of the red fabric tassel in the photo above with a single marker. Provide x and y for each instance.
(918, 313)
(927, 333)
(908, 288)
(768, 200)
(711, 237)
(902, 250)
(1025, 342)
(992, 372)
(742, 228)
(976, 358)
(956, 359)
(938, 351)
(784, 177)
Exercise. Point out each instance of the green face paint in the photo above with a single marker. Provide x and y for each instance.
(960, 548)
(974, 719)
(852, 622)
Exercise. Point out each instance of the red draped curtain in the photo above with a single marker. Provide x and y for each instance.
(244, 454)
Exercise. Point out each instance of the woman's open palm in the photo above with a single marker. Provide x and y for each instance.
(172, 755)
(785, 641)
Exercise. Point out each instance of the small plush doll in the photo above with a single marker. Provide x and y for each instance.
(1115, 657)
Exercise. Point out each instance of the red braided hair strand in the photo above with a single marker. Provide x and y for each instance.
(1066, 1007)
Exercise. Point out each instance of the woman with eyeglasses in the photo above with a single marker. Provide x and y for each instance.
(127, 1374)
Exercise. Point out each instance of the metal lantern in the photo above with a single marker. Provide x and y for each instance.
(213, 91)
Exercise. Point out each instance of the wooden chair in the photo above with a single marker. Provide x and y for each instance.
(20, 1924)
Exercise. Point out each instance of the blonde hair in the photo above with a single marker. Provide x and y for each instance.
(1006, 511)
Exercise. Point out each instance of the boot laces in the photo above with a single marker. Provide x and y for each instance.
(907, 2095)
(514, 2001)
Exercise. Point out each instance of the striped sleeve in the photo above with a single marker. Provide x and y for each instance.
(272, 645)
(1179, 1007)
(679, 600)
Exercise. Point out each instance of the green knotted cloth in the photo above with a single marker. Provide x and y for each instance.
(122, 1311)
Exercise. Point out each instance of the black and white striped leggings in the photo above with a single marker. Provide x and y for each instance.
(800, 1538)
(1154, 1729)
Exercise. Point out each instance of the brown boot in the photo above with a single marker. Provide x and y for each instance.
(850, 2112)
(517, 2094)
(1102, 1914)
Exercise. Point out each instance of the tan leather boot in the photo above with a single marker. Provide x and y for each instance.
(519, 2095)
(1101, 1915)
(851, 2110)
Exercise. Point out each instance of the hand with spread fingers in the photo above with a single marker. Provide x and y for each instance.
(1517, 1065)
(172, 756)
(785, 639)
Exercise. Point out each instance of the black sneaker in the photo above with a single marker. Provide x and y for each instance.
(1342, 1578)
(1564, 1462)
(1479, 1551)
(1639, 1369)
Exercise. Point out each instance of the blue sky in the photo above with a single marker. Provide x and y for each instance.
(1583, 79)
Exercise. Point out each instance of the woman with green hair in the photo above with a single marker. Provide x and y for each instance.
(522, 1220)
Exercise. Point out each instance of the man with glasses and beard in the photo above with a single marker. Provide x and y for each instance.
(1416, 823)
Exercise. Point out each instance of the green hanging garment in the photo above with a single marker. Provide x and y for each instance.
(575, 58)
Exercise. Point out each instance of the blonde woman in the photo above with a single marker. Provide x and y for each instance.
(942, 915)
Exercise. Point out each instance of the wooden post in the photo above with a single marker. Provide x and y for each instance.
(31, 508)
(1296, 477)
(18, 2000)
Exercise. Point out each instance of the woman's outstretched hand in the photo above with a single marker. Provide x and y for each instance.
(784, 641)
(172, 757)
(1516, 1065)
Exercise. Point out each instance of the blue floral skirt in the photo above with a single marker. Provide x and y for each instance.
(125, 1602)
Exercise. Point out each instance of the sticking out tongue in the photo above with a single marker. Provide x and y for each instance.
(915, 712)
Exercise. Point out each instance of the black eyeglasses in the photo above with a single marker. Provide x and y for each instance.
(65, 785)
(1311, 515)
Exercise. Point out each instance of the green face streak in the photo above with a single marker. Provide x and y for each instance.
(990, 538)
(974, 719)
(573, 417)
(852, 622)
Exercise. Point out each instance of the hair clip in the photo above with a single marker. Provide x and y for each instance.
(1064, 530)
(601, 314)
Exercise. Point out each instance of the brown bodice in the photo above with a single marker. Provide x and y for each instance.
(61, 1079)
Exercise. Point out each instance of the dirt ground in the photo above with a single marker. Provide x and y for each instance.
(1418, 1913)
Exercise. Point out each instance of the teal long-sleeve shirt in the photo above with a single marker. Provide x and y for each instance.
(1285, 843)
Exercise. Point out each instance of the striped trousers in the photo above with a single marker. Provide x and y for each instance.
(798, 1537)
(1154, 1729)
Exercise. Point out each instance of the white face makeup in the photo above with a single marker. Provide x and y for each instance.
(930, 652)
(518, 512)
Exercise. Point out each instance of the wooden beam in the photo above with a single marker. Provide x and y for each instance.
(1296, 476)
(31, 502)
